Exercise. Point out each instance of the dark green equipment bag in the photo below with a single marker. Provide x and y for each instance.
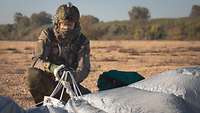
(113, 79)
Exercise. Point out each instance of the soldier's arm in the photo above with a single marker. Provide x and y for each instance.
(40, 45)
(84, 63)
(42, 52)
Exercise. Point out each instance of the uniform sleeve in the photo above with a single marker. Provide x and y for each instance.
(84, 62)
(41, 52)
(40, 45)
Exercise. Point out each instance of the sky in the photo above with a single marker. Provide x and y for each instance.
(105, 10)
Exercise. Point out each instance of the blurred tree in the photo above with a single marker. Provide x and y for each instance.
(21, 25)
(87, 24)
(139, 17)
(139, 33)
(28, 28)
(155, 32)
(17, 17)
(88, 20)
(118, 29)
(42, 18)
(6, 31)
(21, 21)
(195, 11)
(139, 13)
(193, 31)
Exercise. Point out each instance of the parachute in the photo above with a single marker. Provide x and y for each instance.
(174, 91)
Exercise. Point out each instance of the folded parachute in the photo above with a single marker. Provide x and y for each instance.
(175, 91)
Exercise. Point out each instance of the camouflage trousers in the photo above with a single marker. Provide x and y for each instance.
(42, 83)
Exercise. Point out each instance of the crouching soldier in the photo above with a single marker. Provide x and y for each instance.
(60, 47)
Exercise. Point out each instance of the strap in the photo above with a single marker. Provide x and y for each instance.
(35, 61)
(66, 85)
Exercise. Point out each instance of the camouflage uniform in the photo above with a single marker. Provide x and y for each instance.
(53, 49)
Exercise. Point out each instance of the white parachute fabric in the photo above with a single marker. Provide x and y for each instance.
(175, 91)
(182, 82)
(51, 105)
(73, 106)
(133, 100)
(81, 106)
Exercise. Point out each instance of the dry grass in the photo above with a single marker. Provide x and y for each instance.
(145, 57)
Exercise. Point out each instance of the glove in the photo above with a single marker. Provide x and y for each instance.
(58, 71)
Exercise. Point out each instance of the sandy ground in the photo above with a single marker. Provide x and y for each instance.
(144, 57)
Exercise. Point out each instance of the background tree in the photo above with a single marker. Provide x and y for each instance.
(139, 27)
(139, 13)
(42, 18)
(195, 12)
(6, 31)
(21, 21)
(88, 20)
(88, 25)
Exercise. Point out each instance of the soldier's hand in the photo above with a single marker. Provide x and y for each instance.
(58, 72)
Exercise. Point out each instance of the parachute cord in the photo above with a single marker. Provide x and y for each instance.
(67, 87)
(39, 103)
(58, 86)
(75, 85)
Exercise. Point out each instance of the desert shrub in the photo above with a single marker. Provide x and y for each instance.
(155, 32)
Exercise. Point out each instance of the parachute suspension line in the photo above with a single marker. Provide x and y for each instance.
(58, 86)
(75, 93)
(75, 85)
(64, 77)
(62, 83)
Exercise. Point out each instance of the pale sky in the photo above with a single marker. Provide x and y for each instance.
(107, 10)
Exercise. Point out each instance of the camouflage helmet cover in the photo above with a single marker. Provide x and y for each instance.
(67, 12)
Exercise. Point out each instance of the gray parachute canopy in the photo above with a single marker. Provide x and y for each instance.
(175, 91)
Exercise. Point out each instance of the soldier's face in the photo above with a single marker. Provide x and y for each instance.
(66, 25)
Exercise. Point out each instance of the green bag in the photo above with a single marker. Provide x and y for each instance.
(113, 79)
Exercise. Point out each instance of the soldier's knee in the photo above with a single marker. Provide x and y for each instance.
(34, 77)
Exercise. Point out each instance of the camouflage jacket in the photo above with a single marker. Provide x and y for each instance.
(73, 54)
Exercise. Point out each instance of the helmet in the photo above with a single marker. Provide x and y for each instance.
(67, 12)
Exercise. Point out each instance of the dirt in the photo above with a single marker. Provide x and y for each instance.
(145, 57)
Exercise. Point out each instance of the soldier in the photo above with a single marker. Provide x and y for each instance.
(60, 47)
